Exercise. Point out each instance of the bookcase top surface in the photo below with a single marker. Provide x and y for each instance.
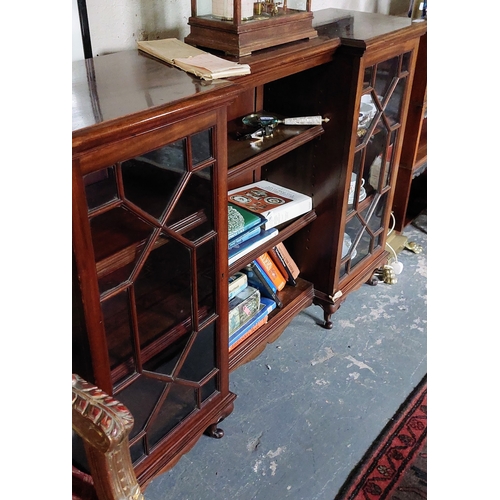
(124, 83)
(355, 28)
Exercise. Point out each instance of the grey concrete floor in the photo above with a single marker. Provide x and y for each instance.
(312, 403)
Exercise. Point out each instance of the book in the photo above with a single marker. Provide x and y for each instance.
(276, 203)
(285, 263)
(253, 328)
(242, 224)
(192, 60)
(242, 307)
(247, 246)
(253, 323)
(241, 238)
(271, 269)
(237, 283)
(258, 278)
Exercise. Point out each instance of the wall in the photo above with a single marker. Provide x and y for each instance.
(117, 25)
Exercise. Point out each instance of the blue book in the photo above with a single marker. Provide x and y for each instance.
(238, 240)
(266, 306)
(247, 246)
(259, 279)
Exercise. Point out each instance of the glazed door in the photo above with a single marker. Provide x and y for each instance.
(154, 221)
(371, 182)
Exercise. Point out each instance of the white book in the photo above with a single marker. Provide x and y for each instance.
(276, 203)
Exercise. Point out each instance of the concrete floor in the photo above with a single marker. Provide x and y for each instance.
(312, 403)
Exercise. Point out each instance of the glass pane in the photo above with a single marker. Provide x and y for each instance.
(180, 402)
(375, 155)
(353, 230)
(137, 451)
(205, 261)
(201, 357)
(367, 78)
(386, 72)
(201, 146)
(118, 238)
(375, 221)
(163, 290)
(150, 181)
(393, 107)
(100, 187)
(405, 63)
(209, 388)
(140, 398)
(367, 118)
(166, 361)
(193, 214)
(118, 326)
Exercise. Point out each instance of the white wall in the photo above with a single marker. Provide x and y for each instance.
(117, 25)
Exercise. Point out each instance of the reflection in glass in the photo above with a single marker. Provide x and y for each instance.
(201, 146)
(119, 334)
(405, 64)
(386, 73)
(393, 107)
(201, 357)
(157, 310)
(193, 215)
(118, 238)
(205, 265)
(142, 395)
(179, 403)
(150, 181)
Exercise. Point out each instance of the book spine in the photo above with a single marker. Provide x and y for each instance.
(252, 330)
(238, 240)
(281, 264)
(237, 283)
(242, 307)
(272, 271)
(239, 251)
(261, 281)
(259, 319)
(284, 213)
(287, 258)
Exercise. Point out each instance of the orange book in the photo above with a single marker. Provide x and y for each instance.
(262, 322)
(272, 270)
(288, 260)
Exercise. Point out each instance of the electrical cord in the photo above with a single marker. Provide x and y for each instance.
(396, 265)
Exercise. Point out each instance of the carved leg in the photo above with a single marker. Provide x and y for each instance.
(328, 309)
(214, 431)
(373, 279)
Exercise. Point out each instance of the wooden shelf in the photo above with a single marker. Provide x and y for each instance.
(251, 154)
(285, 230)
(294, 298)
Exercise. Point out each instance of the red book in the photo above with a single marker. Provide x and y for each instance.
(272, 271)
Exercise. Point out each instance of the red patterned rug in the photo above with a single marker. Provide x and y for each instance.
(395, 466)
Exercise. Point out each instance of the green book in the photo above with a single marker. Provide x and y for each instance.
(240, 220)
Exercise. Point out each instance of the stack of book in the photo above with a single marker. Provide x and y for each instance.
(274, 204)
(248, 310)
(254, 292)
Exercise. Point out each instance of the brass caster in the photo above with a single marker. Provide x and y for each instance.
(414, 247)
(387, 275)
